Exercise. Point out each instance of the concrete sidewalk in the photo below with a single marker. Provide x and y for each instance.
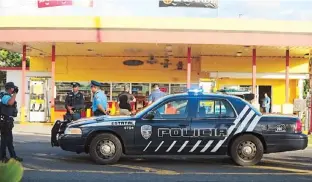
(32, 129)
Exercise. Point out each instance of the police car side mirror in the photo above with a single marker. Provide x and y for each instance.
(150, 115)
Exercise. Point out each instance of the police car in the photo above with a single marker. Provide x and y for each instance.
(192, 123)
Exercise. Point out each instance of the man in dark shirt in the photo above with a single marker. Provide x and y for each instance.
(124, 100)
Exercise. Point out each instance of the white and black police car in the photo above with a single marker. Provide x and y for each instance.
(192, 123)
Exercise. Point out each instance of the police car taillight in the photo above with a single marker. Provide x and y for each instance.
(298, 128)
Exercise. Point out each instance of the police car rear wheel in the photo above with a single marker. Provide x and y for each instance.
(105, 149)
(246, 150)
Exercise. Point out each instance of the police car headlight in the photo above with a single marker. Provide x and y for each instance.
(73, 131)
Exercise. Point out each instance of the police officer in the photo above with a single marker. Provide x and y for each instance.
(74, 103)
(7, 112)
(99, 101)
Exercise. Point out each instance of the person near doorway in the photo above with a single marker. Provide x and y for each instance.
(266, 103)
(124, 100)
(155, 95)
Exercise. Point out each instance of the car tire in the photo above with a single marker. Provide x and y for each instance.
(246, 150)
(111, 142)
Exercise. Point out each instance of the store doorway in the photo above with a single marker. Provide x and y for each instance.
(262, 90)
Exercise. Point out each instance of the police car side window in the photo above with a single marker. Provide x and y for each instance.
(215, 109)
(172, 109)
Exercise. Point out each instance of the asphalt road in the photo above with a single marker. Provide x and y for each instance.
(44, 163)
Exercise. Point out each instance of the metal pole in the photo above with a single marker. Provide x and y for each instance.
(287, 78)
(23, 85)
(254, 71)
(310, 84)
(52, 83)
(189, 61)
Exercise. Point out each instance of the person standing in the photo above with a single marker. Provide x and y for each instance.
(99, 101)
(156, 94)
(124, 100)
(266, 103)
(74, 103)
(8, 110)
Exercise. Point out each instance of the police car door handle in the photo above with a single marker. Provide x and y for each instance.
(183, 125)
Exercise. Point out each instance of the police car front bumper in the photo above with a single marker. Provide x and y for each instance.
(286, 142)
(72, 143)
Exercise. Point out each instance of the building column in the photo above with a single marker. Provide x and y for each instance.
(23, 85)
(287, 78)
(189, 69)
(52, 84)
(300, 88)
(254, 72)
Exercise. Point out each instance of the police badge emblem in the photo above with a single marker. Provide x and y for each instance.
(146, 131)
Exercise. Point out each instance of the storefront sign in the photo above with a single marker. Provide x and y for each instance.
(54, 3)
(189, 3)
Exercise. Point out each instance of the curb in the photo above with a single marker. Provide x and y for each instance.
(30, 133)
(38, 124)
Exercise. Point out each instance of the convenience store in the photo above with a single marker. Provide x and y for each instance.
(259, 56)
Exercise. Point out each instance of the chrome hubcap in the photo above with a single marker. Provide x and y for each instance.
(106, 149)
(247, 150)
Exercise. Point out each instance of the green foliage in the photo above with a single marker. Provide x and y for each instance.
(11, 59)
(306, 88)
(11, 171)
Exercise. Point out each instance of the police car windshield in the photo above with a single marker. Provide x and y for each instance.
(151, 106)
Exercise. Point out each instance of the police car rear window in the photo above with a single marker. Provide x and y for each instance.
(208, 108)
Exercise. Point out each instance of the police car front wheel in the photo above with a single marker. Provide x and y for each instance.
(246, 150)
(105, 149)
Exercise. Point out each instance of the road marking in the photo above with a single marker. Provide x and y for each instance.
(207, 146)
(183, 146)
(147, 169)
(286, 162)
(159, 146)
(281, 169)
(195, 146)
(159, 172)
(147, 145)
(230, 130)
(82, 171)
(171, 146)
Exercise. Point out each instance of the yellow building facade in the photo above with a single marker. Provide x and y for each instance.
(112, 70)
(85, 48)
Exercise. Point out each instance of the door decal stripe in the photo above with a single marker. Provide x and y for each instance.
(159, 146)
(147, 145)
(230, 130)
(207, 146)
(195, 146)
(245, 122)
(171, 146)
(183, 146)
(253, 123)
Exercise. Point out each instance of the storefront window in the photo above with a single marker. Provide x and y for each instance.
(141, 93)
(63, 88)
(178, 88)
(140, 89)
(106, 89)
(246, 88)
(117, 89)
